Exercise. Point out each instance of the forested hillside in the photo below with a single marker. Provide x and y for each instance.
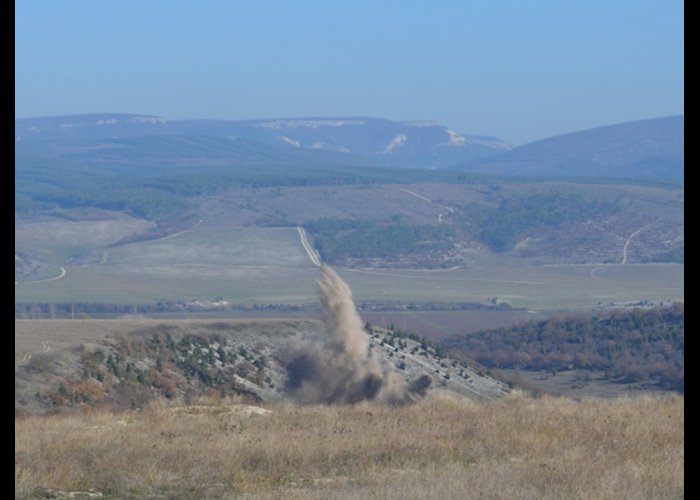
(629, 345)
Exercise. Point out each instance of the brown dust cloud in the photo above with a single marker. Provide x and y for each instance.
(340, 368)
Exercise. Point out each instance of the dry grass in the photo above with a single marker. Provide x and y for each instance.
(444, 447)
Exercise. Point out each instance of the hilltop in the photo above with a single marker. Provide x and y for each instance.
(175, 359)
(652, 148)
(354, 140)
(647, 148)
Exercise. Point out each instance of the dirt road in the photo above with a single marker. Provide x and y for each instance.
(61, 275)
(420, 196)
(627, 243)
(313, 255)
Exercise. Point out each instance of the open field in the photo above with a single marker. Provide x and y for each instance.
(529, 287)
(437, 325)
(243, 265)
(58, 240)
(536, 288)
(214, 251)
(443, 447)
(265, 265)
(229, 256)
(270, 266)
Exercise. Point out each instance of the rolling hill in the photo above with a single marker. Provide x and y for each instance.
(641, 149)
(116, 173)
(332, 140)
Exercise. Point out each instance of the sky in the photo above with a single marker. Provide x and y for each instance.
(519, 70)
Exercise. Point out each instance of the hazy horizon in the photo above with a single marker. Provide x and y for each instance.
(270, 118)
(521, 72)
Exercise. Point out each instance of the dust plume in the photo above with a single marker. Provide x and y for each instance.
(340, 368)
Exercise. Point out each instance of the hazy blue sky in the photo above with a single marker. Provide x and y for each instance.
(521, 70)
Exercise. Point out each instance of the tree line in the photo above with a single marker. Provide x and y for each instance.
(627, 345)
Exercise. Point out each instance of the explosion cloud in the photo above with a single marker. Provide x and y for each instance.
(340, 368)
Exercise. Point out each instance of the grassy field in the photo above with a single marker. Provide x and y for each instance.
(565, 287)
(241, 265)
(437, 325)
(226, 258)
(58, 240)
(214, 251)
(265, 265)
(554, 287)
(443, 447)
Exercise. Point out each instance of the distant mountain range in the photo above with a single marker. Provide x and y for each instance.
(344, 140)
(641, 149)
(647, 148)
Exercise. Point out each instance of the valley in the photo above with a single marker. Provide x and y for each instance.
(246, 238)
(127, 230)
